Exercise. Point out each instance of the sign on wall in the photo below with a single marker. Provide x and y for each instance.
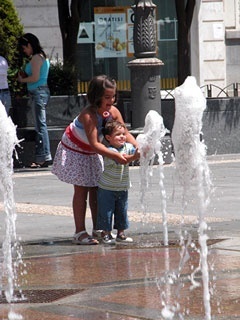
(85, 32)
(113, 32)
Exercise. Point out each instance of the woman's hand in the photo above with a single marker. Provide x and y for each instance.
(21, 75)
(19, 78)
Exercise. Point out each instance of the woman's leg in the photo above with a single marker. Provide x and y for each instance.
(93, 205)
(40, 101)
(79, 207)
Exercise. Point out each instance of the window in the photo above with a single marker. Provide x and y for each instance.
(105, 40)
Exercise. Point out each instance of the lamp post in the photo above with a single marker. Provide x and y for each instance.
(145, 69)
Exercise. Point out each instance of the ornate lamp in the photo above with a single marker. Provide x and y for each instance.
(145, 69)
(144, 34)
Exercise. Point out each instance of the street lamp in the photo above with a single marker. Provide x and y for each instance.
(145, 69)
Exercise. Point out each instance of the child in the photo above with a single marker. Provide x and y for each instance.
(114, 184)
(77, 160)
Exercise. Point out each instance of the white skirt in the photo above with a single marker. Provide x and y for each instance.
(75, 167)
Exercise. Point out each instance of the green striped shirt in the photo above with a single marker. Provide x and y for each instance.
(115, 176)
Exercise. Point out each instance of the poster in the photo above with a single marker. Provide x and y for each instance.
(110, 32)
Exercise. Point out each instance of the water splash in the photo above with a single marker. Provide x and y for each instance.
(150, 146)
(8, 141)
(192, 169)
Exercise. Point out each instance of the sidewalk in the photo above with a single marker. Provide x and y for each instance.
(66, 281)
(44, 204)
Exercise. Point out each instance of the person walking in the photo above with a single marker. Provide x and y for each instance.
(114, 184)
(5, 95)
(36, 76)
(78, 159)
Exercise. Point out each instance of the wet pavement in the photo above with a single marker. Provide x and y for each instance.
(62, 281)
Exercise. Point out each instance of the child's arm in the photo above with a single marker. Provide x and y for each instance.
(133, 156)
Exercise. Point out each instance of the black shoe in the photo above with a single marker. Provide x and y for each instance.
(108, 239)
(122, 238)
(36, 165)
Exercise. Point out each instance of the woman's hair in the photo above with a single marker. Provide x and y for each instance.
(111, 125)
(34, 42)
(97, 87)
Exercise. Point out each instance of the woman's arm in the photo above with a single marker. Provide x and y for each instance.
(36, 63)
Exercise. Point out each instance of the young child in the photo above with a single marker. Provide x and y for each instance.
(77, 160)
(114, 184)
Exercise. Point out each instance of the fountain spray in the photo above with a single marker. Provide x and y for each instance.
(191, 165)
(8, 141)
(150, 146)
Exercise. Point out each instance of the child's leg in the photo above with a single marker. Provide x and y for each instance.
(79, 207)
(106, 206)
(93, 205)
(79, 212)
(120, 218)
(120, 215)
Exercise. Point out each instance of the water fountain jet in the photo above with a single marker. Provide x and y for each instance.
(8, 141)
(150, 146)
(192, 168)
(193, 172)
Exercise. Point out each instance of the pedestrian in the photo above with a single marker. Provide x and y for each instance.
(114, 184)
(35, 75)
(78, 159)
(5, 95)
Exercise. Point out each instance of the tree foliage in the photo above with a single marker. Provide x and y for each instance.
(10, 30)
(184, 10)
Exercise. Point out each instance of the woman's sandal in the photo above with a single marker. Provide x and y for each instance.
(83, 238)
(36, 165)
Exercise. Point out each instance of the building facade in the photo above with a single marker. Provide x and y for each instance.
(104, 44)
(215, 43)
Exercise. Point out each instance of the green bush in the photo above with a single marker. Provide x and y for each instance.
(61, 80)
(10, 30)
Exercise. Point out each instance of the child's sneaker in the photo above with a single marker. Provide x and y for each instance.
(108, 239)
(97, 234)
(122, 238)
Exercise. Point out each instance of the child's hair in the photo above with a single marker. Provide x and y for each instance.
(111, 125)
(34, 42)
(97, 87)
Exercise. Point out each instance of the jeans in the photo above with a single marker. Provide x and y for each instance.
(112, 203)
(39, 99)
(5, 97)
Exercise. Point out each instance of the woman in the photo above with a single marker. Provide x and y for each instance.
(77, 159)
(35, 76)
